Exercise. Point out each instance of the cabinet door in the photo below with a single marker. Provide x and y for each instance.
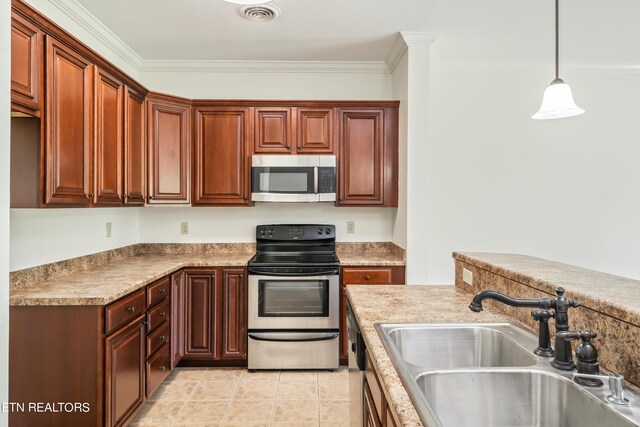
(169, 143)
(370, 412)
(26, 65)
(107, 180)
(69, 105)
(125, 367)
(201, 315)
(314, 131)
(272, 130)
(177, 318)
(135, 159)
(234, 332)
(221, 164)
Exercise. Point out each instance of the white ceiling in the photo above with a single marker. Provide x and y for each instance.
(364, 30)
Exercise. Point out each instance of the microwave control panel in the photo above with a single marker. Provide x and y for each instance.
(326, 180)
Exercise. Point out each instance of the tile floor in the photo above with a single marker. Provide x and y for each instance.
(225, 397)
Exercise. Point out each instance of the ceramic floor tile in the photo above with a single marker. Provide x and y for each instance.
(342, 374)
(214, 390)
(161, 412)
(334, 390)
(197, 425)
(298, 376)
(223, 374)
(334, 410)
(290, 411)
(187, 374)
(245, 425)
(249, 411)
(314, 424)
(174, 391)
(334, 424)
(256, 390)
(260, 376)
(196, 412)
(298, 390)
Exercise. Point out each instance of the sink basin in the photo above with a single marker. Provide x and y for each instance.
(459, 346)
(511, 399)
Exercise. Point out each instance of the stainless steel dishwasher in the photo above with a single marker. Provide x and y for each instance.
(356, 370)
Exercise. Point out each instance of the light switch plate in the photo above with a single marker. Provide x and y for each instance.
(467, 277)
(108, 229)
(351, 226)
(184, 228)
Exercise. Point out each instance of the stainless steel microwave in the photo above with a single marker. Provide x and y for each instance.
(293, 178)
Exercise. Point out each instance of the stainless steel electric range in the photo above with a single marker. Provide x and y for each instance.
(293, 298)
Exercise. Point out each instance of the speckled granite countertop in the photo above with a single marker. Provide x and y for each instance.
(617, 296)
(422, 304)
(108, 282)
(381, 254)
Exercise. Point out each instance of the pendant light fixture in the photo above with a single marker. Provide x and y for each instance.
(557, 101)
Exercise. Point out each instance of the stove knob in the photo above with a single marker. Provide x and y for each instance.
(327, 231)
(319, 230)
(271, 232)
(263, 232)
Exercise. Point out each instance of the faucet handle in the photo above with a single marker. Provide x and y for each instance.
(544, 341)
(569, 302)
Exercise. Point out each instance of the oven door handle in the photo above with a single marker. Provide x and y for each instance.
(269, 272)
(277, 337)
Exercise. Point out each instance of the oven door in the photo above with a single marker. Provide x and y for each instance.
(293, 302)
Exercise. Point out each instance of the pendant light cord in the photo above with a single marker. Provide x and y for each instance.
(557, 45)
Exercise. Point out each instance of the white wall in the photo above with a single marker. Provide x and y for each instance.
(400, 89)
(499, 181)
(5, 73)
(222, 225)
(40, 236)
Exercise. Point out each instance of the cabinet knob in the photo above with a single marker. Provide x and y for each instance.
(288, 147)
(162, 291)
(163, 338)
(298, 147)
(90, 196)
(152, 198)
(123, 197)
(131, 309)
(367, 277)
(162, 314)
(163, 368)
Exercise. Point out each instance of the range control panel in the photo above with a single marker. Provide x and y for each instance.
(295, 232)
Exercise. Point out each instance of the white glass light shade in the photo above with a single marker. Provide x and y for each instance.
(557, 103)
(248, 2)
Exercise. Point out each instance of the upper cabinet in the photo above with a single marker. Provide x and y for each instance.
(109, 103)
(221, 156)
(169, 137)
(135, 148)
(368, 157)
(26, 66)
(294, 130)
(68, 126)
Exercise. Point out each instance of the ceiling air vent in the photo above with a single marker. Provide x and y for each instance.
(262, 13)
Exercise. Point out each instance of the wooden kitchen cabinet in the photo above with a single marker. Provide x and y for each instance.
(201, 314)
(26, 65)
(68, 126)
(108, 141)
(273, 130)
(216, 316)
(366, 275)
(315, 130)
(135, 148)
(177, 317)
(368, 157)
(125, 372)
(377, 412)
(234, 327)
(169, 138)
(222, 165)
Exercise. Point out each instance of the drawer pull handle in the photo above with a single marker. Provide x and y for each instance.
(131, 309)
(367, 277)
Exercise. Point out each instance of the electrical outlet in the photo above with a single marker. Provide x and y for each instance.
(351, 226)
(108, 227)
(184, 228)
(467, 277)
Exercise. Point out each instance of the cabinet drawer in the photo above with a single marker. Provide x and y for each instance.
(359, 276)
(158, 338)
(123, 311)
(158, 315)
(158, 291)
(158, 367)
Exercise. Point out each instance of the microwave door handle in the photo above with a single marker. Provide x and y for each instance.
(315, 180)
(302, 338)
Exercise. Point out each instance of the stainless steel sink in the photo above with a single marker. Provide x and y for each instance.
(461, 346)
(486, 374)
(511, 399)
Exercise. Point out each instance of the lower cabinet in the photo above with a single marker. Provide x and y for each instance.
(215, 314)
(367, 275)
(125, 372)
(377, 412)
(177, 317)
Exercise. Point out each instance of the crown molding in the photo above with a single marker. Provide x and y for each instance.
(96, 28)
(536, 67)
(406, 39)
(219, 66)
